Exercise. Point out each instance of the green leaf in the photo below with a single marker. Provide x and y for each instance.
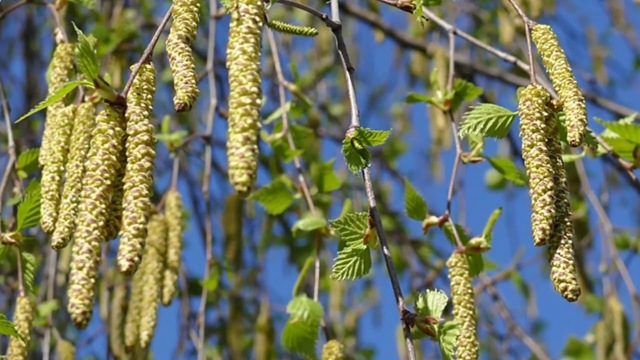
(414, 204)
(86, 55)
(577, 349)
(620, 146)
(27, 162)
(48, 307)
(7, 328)
(4, 250)
(89, 4)
(324, 178)
(301, 331)
(370, 137)
(350, 229)
(463, 91)
(569, 158)
(413, 98)
(29, 269)
(447, 333)
(309, 223)
(355, 155)
(213, 281)
(487, 120)
(487, 233)
(432, 303)
(56, 96)
(275, 197)
(509, 170)
(625, 130)
(302, 136)
(29, 209)
(351, 263)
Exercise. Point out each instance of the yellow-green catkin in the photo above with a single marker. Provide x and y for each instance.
(100, 173)
(173, 215)
(132, 319)
(181, 35)
(114, 222)
(464, 307)
(560, 248)
(53, 171)
(532, 107)
(60, 71)
(65, 350)
(138, 178)
(22, 320)
(245, 102)
(78, 148)
(333, 350)
(564, 82)
(116, 319)
(153, 262)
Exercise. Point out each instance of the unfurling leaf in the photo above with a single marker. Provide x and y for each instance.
(301, 331)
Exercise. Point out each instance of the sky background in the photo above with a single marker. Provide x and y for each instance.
(512, 232)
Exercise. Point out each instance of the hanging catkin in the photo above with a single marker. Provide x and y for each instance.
(116, 319)
(181, 35)
(564, 82)
(561, 255)
(333, 350)
(53, 171)
(100, 172)
(59, 73)
(464, 307)
(132, 319)
(243, 62)
(79, 146)
(115, 213)
(537, 160)
(22, 320)
(173, 214)
(138, 178)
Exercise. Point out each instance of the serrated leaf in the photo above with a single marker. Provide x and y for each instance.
(627, 131)
(56, 96)
(28, 271)
(309, 223)
(7, 328)
(355, 155)
(509, 170)
(28, 161)
(487, 120)
(351, 263)
(487, 233)
(350, 229)
(432, 303)
(275, 197)
(370, 137)
(29, 209)
(414, 204)
(621, 147)
(463, 91)
(324, 178)
(301, 331)
(447, 333)
(87, 58)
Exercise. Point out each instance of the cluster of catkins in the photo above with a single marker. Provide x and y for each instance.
(542, 154)
(132, 323)
(464, 306)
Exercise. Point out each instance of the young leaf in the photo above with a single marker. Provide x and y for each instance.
(414, 203)
(509, 170)
(370, 137)
(350, 229)
(413, 98)
(29, 269)
(351, 263)
(447, 333)
(432, 303)
(324, 178)
(27, 162)
(301, 331)
(463, 91)
(355, 155)
(86, 53)
(487, 120)
(29, 209)
(627, 131)
(56, 96)
(7, 328)
(275, 197)
(309, 223)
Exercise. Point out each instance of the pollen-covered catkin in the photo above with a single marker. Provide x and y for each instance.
(283, 27)
(243, 62)
(100, 173)
(153, 263)
(53, 170)
(173, 214)
(60, 72)
(78, 148)
(564, 82)
(116, 319)
(132, 319)
(536, 155)
(561, 255)
(464, 306)
(333, 350)
(22, 320)
(183, 32)
(138, 178)
(115, 213)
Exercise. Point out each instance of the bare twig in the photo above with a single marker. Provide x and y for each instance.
(206, 175)
(146, 55)
(11, 145)
(527, 30)
(12, 8)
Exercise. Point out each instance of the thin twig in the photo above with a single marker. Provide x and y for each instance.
(206, 174)
(51, 277)
(11, 145)
(12, 8)
(19, 266)
(146, 55)
(175, 172)
(59, 23)
(528, 24)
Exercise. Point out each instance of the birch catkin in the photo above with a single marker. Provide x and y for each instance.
(53, 170)
(22, 320)
(537, 160)
(333, 350)
(138, 178)
(564, 82)
(173, 214)
(243, 62)
(79, 146)
(100, 173)
(464, 307)
(116, 319)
